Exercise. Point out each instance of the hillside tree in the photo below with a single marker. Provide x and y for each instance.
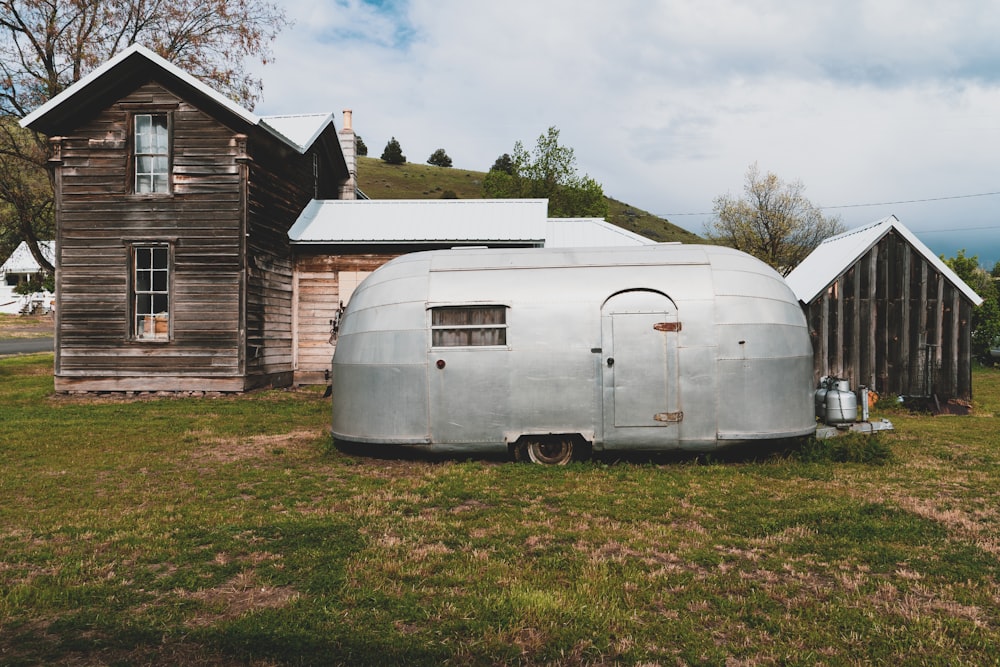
(439, 158)
(985, 317)
(773, 221)
(504, 163)
(548, 172)
(47, 45)
(393, 152)
(359, 146)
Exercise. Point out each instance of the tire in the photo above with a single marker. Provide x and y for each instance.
(552, 452)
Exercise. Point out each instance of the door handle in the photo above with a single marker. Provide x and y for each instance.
(611, 362)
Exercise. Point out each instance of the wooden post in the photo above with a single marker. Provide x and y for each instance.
(873, 318)
(905, 374)
(923, 355)
(855, 360)
(824, 333)
(838, 353)
(954, 389)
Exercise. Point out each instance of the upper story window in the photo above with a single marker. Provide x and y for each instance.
(152, 153)
(468, 326)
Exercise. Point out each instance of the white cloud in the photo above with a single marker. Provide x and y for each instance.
(666, 103)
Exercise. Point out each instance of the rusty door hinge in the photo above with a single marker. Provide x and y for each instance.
(667, 326)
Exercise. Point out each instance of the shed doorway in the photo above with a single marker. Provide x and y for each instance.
(639, 331)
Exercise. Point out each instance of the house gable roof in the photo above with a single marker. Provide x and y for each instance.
(136, 63)
(835, 255)
(22, 261)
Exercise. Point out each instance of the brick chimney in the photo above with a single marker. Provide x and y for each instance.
(347, 145)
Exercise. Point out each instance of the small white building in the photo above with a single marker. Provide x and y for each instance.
(21, 266)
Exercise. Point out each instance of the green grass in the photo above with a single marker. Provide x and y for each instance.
(228, 531)
(379, 180)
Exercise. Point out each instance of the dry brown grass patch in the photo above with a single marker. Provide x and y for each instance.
(240, 595)
(238, 448)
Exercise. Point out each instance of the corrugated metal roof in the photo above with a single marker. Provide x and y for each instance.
(589, 232)
(836, 254)
(416, 221)
(294, 136)
(459, 221)
(21, 260)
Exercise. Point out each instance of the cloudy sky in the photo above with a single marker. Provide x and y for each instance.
(667, 102)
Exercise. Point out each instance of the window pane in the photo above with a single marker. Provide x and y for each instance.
(159, 257)
(160, 183)
(159, 281)
(142, 127)
(143, 281)
(160, 134)
(143, 258)
(160, 303)
(143, 304)
(143, 183)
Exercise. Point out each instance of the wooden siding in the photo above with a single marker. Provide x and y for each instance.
(893, 323)
(317, 297)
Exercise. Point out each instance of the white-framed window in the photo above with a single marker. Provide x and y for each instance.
(468, 326)
(150, 287)
(152, 153)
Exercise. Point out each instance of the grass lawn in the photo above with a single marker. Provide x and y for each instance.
(228, 531)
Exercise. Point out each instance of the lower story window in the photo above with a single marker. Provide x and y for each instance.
(151, 292)
(468, 326)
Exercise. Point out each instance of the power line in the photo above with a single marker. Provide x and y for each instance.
(886, 203)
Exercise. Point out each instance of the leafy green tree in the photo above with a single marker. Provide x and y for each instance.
(504, 163)
(439, 158)
(773, 221)
(393, 153)
(47, 45)
(549, 172)
(359, 146)
(985, 317)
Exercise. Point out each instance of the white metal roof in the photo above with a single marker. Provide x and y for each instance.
(21, 260)
(589, 232)
(299, 134)
(459, 221)
(300, 129)
(836, 254)
(415, 221)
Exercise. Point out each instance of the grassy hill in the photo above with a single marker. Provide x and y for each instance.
(379, 180)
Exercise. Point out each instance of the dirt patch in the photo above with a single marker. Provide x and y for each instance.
(227, 450)
(239, 595)
(26, 326)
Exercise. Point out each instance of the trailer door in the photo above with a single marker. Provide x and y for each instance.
(639, 331)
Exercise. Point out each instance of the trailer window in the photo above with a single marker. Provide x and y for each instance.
(468, 326)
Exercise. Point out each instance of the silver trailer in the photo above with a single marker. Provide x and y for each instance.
(541, 352)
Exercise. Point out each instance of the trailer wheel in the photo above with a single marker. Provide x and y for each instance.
(553, 452)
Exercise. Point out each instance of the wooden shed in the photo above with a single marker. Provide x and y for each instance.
(173, 203)
(886, 313)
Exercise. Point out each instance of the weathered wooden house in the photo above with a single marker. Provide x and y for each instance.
(886, 313)
(173, 203)
(204, 248)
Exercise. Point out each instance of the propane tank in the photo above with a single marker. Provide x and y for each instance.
(841, 403)
(820, 398)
